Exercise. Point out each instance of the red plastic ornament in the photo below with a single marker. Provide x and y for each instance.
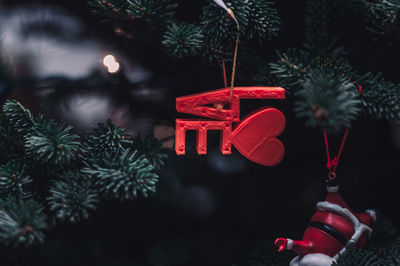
(254, 137)
(332, 228)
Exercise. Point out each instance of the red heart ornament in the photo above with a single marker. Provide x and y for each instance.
(255, 136)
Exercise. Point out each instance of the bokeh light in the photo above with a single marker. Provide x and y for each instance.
(111, 64)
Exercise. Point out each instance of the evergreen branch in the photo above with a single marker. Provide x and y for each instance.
(357, 256)
(71, 192)
(327, 101)
(219, 29)
(292, 67)
(115, 9)
(387, 10)
(391, 255)
(183, 40)
(383, 15)
(379, 97)
(73, 196)
(319, 24)
(295, 65)
(151, 148)
(20, 118)
(103, 138)
(13, 179)
(156, 12)
(21, 222)
(53, 143)
(123, 175)
(263, 20)
(215, 37)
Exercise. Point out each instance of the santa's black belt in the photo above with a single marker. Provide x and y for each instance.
(330, 231)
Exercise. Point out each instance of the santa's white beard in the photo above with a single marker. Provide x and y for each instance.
(316, 259)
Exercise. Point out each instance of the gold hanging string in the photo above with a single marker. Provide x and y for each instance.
(224, 73)
(230, 12)
(234, 68)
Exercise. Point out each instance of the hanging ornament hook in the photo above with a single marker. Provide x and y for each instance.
(232, 15)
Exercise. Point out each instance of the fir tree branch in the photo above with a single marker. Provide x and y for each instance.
(20, 118)
(13, 180)
(44, 158)
(123, 175)
(103, 138)
(50, 142)
(151, 148)
(183, 40)
(72, 196)
(21, 222)
(264, 21)
(113, 9)
(327, 101)
(156, 12)
(220, 30)
(377, 97)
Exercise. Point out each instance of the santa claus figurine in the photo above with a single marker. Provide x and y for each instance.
(332, 228)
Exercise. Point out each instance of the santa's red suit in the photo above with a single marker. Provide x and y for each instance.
(332, 228)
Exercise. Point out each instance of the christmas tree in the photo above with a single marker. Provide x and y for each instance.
(127, 198)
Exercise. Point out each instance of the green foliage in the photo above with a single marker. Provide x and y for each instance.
(112, 9)
(380, 98)
(300, 71)
(13, 179)
(156, 11)
(263, 20)
(20, 118)
(356, 256)
(382, 14)
(21, 222)
(391, 255)
(387, 10)
(123, 175)
(214, 39)
(72, 196)
(320, 22)
(295, 65)
(183, 40)
(40, 161)
(258, 20)
(151, 148)
(52, 142)
(384, 255)
(327, 101)
(219, 28)
(103, 138)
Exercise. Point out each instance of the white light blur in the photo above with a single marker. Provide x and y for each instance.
(111, 63)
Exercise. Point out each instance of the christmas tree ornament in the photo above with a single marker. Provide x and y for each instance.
(254, 136)
(333, 228)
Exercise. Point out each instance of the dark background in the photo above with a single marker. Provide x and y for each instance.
(213, 209)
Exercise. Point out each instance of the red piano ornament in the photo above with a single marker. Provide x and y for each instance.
(332, 228)
(254, 136)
